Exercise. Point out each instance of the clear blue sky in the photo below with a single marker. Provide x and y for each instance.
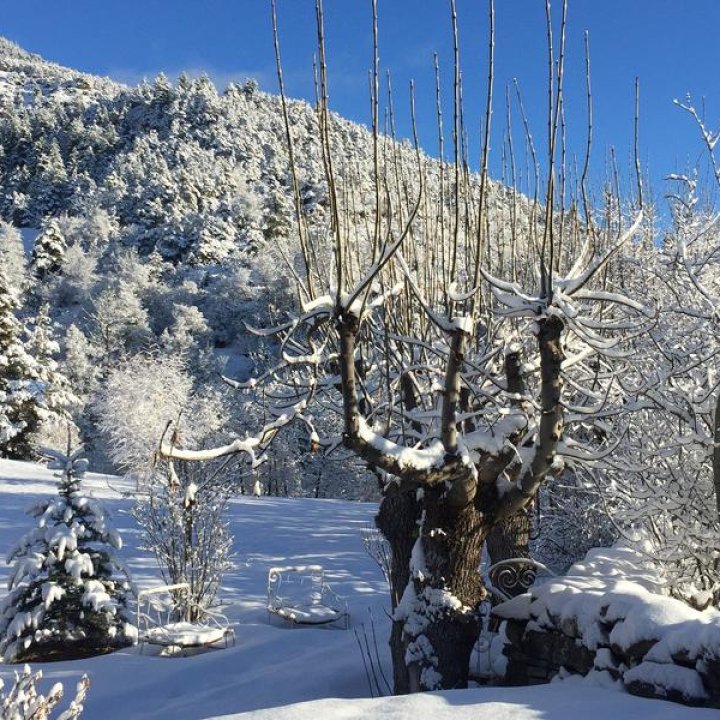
(672, 45)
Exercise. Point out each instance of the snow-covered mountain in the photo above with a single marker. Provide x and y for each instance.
(196, 175)
(24, 76)
(171, 204)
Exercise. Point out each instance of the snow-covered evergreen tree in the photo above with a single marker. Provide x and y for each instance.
(68, 592)
(57, 400)
(44, 349)
(48, 254)
(12, 255)
(19, 386)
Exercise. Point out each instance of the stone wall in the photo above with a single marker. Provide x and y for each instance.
(655, 646)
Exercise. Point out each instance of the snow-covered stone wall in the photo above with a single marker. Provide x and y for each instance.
(608, 617)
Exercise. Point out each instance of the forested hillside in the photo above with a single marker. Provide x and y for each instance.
(165, 220)
(145, 228)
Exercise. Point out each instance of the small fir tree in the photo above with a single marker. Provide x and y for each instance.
(48, 254)
(68, 593)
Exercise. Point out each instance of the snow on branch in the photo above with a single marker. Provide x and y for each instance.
(577, 280)
(254, 446)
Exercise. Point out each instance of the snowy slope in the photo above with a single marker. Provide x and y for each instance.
(24, 76)
(272, 668)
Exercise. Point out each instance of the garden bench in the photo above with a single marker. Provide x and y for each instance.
(512, 577)
(507, 582)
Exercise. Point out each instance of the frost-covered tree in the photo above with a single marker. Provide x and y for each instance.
(141, 395)
(120, 321)
(79, 365)
(20, 391)
(671, 488)
(48, 254)
(181, 513)
(75, 285)
(12, 255)
(68, 591)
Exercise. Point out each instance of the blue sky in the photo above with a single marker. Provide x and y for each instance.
(672, 45)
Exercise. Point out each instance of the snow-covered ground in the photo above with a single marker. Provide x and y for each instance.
(273, 671)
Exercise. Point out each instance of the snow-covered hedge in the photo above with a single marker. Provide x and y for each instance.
(607, 616)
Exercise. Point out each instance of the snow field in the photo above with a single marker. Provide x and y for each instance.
(275, 671)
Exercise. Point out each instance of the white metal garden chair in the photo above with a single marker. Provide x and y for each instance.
(508, 583)
(299, 595)
(162, 619)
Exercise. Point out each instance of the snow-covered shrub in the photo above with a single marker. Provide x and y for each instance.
(68, 592)
(24, 702)
(181, 514)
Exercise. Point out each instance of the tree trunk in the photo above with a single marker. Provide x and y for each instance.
(510, 538)
(397, 521)
(436, 625)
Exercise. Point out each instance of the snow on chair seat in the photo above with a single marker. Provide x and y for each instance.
(300, 595)
(184, 634)
(167, 619)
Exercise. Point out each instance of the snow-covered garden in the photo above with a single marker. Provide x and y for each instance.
(274, 670)
(297, 345)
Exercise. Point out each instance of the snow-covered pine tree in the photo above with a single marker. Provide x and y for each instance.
(42, 346)
(68, 592)
(19, 388)
(12, 255)
(48, 254)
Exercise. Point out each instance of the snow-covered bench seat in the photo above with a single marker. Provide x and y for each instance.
(299, 595)
(176, 624)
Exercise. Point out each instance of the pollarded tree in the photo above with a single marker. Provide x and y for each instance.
(446, 380)
(68, 592)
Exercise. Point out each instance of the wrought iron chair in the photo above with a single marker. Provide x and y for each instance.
(176, 624)
(299, 595)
